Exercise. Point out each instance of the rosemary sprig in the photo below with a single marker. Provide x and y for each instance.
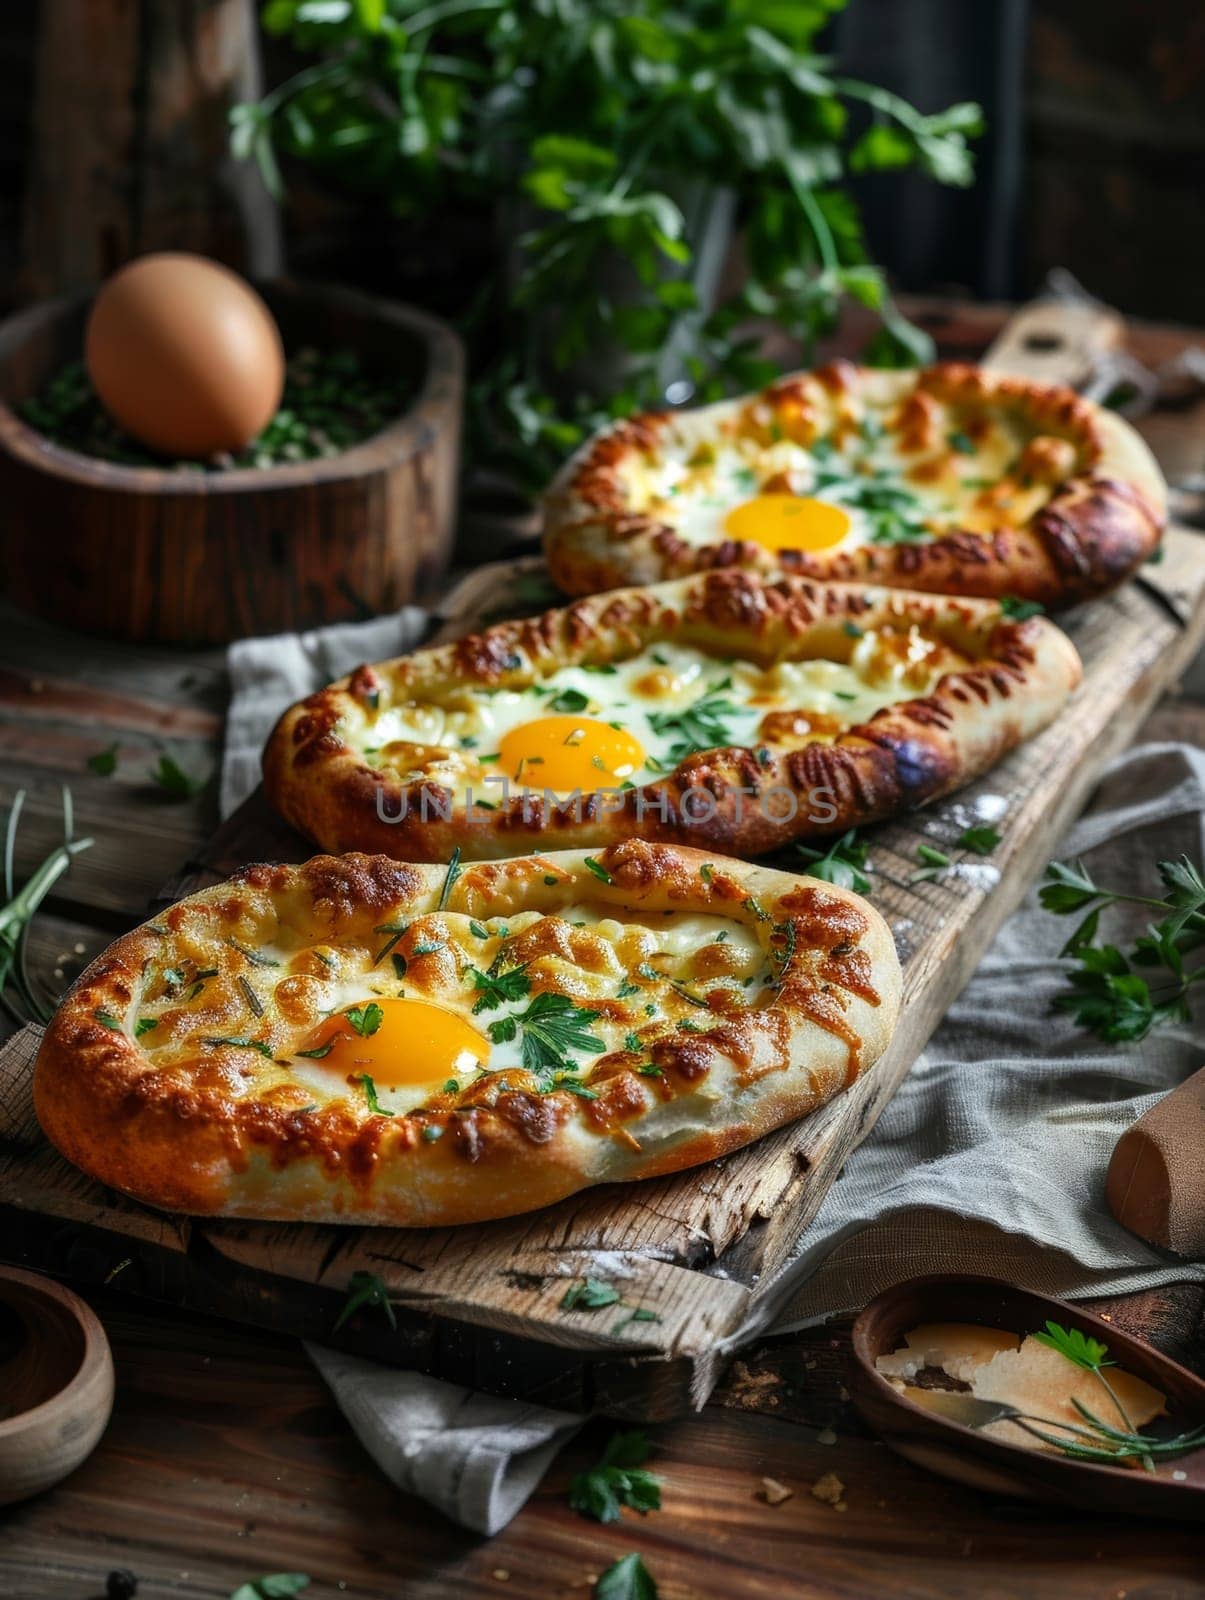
(1089, 1355)
(1100, 1441)
(24, 1004)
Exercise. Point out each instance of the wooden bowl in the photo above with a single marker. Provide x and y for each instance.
(179, 557)
(969, 1457)
(56, 1383)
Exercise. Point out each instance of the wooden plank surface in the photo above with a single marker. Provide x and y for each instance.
(227, 1458)
(743, 1215)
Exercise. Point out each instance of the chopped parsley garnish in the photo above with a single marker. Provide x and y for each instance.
(626, 1579)
(432, 1132)
(551, 1027)
(174, 781)
(981, 840)
(961, 442)
(427, 947)
(1020, 610)
(707, 872)
(108, 1020)
(631, 1041)
(144, 1025)
(478, 932)
(700, 726)
(574, 1086)
(844, 863)
(755, 906)
(592, 1294)
(618, 1479)
(262, 1045)
(852, 630)
(550, 880)
(370, 1094)
(570, 700)
(319, 1053)
(497, 989)
(366, 1289)
(365, 1019)
(452, 1086)
(599, 871)
(104, 762)
(931, 857)
(625, 989)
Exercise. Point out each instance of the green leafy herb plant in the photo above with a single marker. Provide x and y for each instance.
(602, 141)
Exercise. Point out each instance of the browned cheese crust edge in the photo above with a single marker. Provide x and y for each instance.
(733, 799)
(1097, 528)
(233, 1135)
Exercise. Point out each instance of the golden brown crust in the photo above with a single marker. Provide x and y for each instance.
(743, 801)
(202, 1109)
(1101, 513)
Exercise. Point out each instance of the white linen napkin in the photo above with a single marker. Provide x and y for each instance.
(990, 1158)
(268, 675)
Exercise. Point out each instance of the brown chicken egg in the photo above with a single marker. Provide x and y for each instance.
(184, 355)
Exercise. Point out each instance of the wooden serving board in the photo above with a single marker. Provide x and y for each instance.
(482, 1305)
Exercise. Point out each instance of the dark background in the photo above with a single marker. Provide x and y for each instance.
(1093, 160)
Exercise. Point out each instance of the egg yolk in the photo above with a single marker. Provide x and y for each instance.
(412, 1042)
(788, 522)
(562, 753)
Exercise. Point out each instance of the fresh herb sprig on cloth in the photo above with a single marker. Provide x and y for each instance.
(1107, 995)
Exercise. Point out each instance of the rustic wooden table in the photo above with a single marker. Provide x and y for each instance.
(226, 1457)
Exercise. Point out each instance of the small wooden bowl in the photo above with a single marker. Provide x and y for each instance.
(56, 1383)
(179, 557)
(970, 1457)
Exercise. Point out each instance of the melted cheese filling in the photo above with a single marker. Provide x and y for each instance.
(625, 724)
(438, 1002)
(856, 486)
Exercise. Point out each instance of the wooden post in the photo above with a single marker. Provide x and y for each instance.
(129, 140)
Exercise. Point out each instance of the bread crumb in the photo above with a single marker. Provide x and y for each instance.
(826, 1436)
(753, 1390)
(773, 1492)
(830, 1490)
